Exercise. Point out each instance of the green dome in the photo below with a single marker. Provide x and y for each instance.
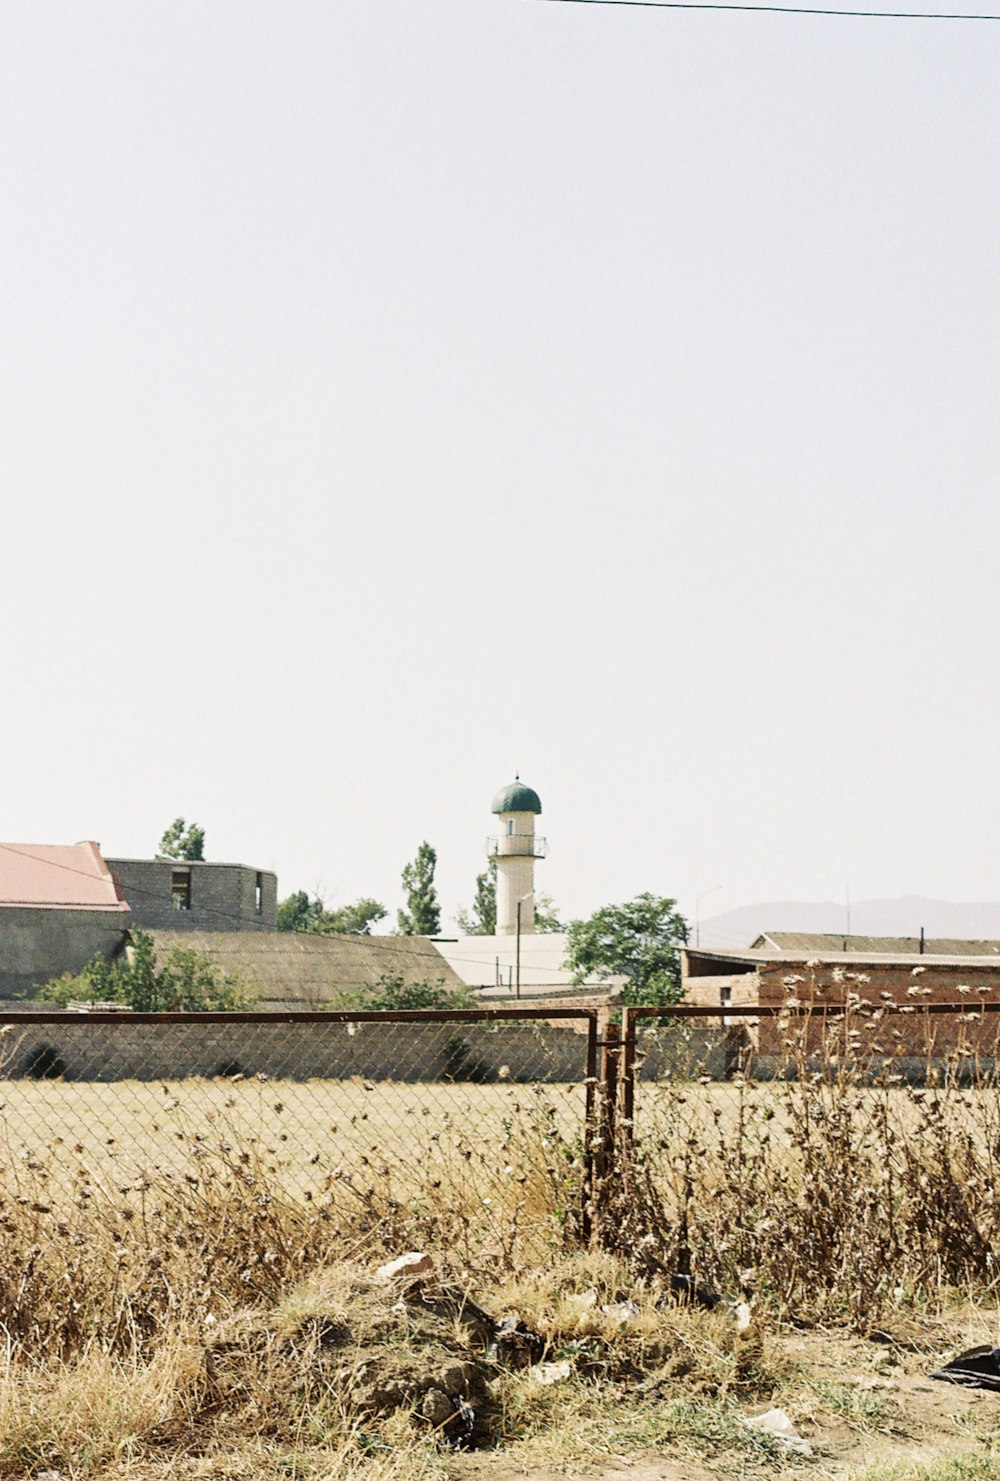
(517, 798)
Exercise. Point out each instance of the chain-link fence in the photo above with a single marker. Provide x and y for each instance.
(467, 1112)
(831, 1147)
(827, 1149)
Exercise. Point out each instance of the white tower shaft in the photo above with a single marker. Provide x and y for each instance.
(515, 856)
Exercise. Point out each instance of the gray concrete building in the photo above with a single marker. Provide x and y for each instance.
(58, 909)
(196, 895)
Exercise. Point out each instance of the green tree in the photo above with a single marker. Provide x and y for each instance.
(546, 919)
(391, 991)
(300, 913)
(639, 941)
(356, 919)
(181, 841)
(187, 982)
(481, 920)
(422, 916)
(138, 976)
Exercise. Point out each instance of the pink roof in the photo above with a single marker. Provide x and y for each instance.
(55, 875)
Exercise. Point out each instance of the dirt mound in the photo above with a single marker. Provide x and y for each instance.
(368, 1347)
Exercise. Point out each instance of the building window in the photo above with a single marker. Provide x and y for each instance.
(180, 889)
(258, 894)
(510, 827)
(725, 996)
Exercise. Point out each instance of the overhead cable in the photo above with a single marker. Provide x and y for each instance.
(893, 15)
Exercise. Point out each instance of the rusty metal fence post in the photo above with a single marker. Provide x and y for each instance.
(607, 1123)
(591, 1133)
(628, 1062)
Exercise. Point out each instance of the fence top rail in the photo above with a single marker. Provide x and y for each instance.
(973, 1008)
(334, 1015)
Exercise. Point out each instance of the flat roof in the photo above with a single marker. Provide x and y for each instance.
(481, 960)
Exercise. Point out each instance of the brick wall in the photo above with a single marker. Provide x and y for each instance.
(917, 980)
(913, 984)
(912, 1036)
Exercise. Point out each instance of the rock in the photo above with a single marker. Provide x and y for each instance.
(517, 1346)
(457, 1379)
(384, 1398)
(777, 1423)
(437, 1408)
(405, 1267)
(695, 1291)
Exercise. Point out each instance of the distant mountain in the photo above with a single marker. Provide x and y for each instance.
(978, 921)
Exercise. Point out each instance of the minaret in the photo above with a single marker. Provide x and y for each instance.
(515, 849)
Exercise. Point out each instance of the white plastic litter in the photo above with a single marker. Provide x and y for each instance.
(777, 1423)
(621, 1311)
(547, 1373)
(742, 1316)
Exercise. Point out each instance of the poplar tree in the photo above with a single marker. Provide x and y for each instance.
(481, 920)
(422, 916)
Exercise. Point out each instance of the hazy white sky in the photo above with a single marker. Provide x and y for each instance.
(398, 393)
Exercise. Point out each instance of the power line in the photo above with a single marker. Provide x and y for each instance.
(895, 15)
(162, 898)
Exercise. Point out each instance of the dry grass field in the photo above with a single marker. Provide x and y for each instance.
(64, 1134)
(188, 1289)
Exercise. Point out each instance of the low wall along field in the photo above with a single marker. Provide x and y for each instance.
(129, 1049)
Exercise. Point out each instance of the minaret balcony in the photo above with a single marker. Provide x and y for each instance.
(517, 846)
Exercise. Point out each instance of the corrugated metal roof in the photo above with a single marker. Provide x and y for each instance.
(295, 967)
(57, 876)
(770, 957)
(799, 941)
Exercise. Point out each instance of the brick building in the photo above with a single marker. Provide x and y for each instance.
(776, 976)
(865, 981)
